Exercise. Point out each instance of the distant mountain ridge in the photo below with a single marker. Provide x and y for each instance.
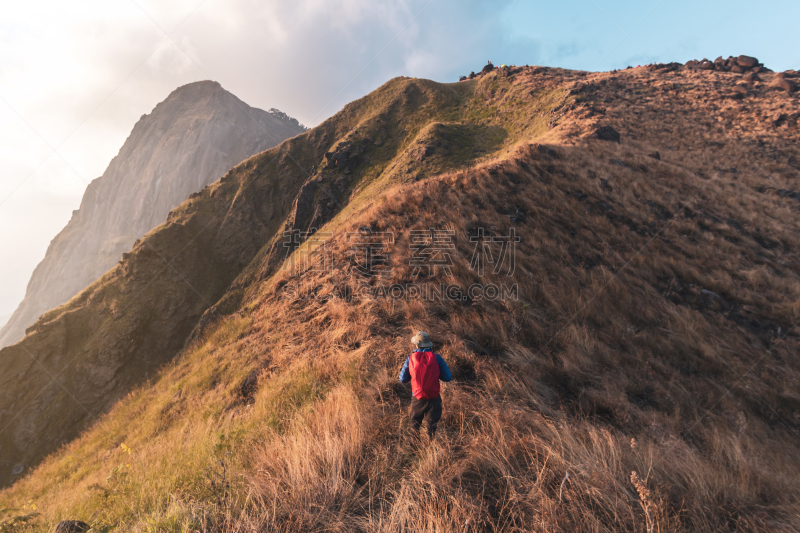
(188, 141)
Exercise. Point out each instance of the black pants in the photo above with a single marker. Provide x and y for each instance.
(422, 408)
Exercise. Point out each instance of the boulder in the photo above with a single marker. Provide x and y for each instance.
(655, 155)
(706, 65)
(751, 77)
(784, 84)
(607, 133)
(342, 157)
(488, 68)
(692, 63)
(746, 61)
(737, 68)
(72, 526)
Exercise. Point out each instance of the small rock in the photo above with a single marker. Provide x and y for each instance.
(707, 292)
(778, 119)
(518, 216)
(746, 61)
(655, 155)
(72, 526)
(607, 133)
(249, 385)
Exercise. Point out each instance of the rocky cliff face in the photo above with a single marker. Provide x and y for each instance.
(187, 142)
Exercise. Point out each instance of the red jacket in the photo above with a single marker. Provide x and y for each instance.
(424, 369)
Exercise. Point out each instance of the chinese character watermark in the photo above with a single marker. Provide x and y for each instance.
(431, 249)
(307, 251)
(369, 252)
(482, 254)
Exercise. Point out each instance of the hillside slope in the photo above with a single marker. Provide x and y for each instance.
(649, 325)
(78, 359)
(188, 141)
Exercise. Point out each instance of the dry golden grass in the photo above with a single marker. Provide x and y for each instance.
(630, 364)
(654, 333)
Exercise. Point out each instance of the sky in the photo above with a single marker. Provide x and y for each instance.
(76, 76)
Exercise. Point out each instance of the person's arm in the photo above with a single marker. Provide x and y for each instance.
(444, 370)
(405, 375)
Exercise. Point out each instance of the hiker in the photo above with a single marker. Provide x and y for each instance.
(424, 369)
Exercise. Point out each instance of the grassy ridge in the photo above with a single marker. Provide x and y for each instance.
(612, 360)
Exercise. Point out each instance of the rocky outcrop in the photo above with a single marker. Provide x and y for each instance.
(665, 67)
(188, 141)
(72, 526)
(607, 133)
(489, 67)
(740, 64)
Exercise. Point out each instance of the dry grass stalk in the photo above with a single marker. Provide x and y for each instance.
(645, 501)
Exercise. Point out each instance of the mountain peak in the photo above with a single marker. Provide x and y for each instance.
(186, 142)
